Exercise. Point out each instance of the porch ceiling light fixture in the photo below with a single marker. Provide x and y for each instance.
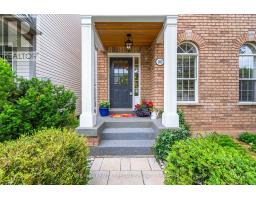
(128, 42)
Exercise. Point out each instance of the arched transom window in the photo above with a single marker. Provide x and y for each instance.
(247, 73)
(187, 66)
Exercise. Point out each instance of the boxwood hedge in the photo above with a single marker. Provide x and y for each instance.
(48, 157)
(213, 160)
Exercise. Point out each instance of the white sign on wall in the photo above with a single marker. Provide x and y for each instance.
(160, 61)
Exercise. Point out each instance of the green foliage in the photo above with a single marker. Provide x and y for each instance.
(182, 121)
(253, 148)
(104, 104)
(48, 157)
(7, 83)
(166, 139)
(213, 160)
(29, 105)
(248, 138)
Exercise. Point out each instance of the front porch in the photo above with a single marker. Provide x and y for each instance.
(111, 71)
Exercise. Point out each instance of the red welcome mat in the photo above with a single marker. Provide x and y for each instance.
(122, 115)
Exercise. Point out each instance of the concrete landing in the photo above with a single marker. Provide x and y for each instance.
(126, 171)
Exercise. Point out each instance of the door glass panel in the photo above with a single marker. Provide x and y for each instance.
(121, 72)
(136, 76)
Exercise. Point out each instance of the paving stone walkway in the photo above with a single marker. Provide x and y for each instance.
(126, 171)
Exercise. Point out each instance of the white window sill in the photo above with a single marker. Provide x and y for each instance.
(247, 103)
(189, 103)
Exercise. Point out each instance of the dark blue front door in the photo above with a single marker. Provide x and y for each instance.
(121, 82)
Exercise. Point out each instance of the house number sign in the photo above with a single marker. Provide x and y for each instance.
(160, 61)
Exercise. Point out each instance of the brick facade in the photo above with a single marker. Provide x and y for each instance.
(218, 38)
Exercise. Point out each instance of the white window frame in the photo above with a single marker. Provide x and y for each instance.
(197, 74)
(244, 79)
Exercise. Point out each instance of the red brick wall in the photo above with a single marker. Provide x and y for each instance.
(218, 38)
(145, 70)
(157, 77)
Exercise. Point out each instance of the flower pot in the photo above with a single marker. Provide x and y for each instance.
(154, 115)
(104, 112)
(143, 113)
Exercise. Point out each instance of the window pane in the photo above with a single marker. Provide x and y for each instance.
(185, 96)
(136, 61)
(192, 66)
(179, 95)
(191, 85)
(179, 85)
(191, 96)
(253, 71)
(247, 49)
(247, 90)
(179, 67)
(185, 84)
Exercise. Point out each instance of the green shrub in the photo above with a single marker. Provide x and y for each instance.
(248, 138)
(182, 121)
(166, 139)
(7, 83)
(253, 148)
(212, 160)
(48, 157)
(30, 105)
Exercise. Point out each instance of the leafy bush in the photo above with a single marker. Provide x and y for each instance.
(166, 139)
(248, 138)
(182, 121)
(213, 160)
(48, 157)
(34, 104)
(7, 83)
(253, 147)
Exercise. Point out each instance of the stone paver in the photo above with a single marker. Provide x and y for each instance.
(96, 164)
(153, 164)
(99, 178)
(125, 178)
(111, 164)
(126, 171)
(153, 177)
(139, 164)
(125, 164)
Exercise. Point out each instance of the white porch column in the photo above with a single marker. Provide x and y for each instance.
(88, 115)
(170, 117)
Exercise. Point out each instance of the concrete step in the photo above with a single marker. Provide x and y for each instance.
(123, 147)
(128, 134)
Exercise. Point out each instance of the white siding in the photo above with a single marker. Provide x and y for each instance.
(59, 51)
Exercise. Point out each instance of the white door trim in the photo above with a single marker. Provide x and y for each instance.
(128, 55)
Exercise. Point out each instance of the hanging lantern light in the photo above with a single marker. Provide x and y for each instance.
(128, 42)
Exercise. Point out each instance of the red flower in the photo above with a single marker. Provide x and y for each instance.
(150, 104)
(137, 106)
(144, 102)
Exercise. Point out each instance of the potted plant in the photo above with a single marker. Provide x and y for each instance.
(104, 108)
(144, 109)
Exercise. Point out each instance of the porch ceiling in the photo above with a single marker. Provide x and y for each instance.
(114, 33)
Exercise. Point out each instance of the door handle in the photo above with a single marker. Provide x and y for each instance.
(130, 93)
